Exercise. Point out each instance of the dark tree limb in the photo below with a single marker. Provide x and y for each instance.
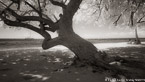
(51, 43)
(100, 11)
(27, 12)
(42, 26)
(18, 2)
(32, 7)
(5, 6)
(119, 17)
(34, 18)
(140, 20)
(42, 23)
(117, 20)
(28, 26)
(36, 10)
(61, 4)
(30, 18)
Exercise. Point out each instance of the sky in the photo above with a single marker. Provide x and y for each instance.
(88, 31)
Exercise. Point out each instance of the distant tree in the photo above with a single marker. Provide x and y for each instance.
(124, 13)
(39, 16)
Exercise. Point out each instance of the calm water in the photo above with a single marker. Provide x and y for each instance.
(101, 44)
(107, 40)
(113, 40)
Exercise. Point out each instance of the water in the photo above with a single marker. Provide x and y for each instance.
(100, 46)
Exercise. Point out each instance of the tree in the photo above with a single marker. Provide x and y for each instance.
(34, 11)
(124, 13)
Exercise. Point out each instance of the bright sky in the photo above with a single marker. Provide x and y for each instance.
(89, 31)
(85, 31)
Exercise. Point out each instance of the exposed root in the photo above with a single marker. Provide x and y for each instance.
(102, 65)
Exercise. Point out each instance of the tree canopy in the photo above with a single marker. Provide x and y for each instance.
(35, 15)
(123, 12)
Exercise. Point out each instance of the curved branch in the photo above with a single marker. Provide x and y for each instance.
(55, 27)
(31, 27)
(49, 22)
(51, 43)
(30, 18)
(38, 11)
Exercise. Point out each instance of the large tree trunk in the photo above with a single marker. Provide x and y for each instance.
(86, 53)
(84, 50)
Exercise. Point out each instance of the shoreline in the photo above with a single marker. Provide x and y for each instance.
(100, 46)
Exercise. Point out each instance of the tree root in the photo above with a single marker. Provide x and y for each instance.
(102, 65)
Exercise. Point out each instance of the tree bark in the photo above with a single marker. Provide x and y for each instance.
(85, 51)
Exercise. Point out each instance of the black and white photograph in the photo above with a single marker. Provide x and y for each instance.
(72, 40)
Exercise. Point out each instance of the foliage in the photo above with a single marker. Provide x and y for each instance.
(123, 12)
(37, 15)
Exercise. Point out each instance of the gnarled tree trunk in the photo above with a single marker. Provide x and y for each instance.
(85, 51)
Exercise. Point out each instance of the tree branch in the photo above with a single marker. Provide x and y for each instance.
(6, 7)
(39, 6)
(40, 15)
(119, 17)
(51, 43)
(38, 11)
(31, 27)
(42, 26)
(35, 18)
(30, 18)
(140, 20)
(100, 11)
(117, 20)
(61, 4)
(32, 7)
